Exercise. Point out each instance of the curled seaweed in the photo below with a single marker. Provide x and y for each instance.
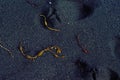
(55, 50)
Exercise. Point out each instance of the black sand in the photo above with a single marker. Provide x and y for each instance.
(97, 22)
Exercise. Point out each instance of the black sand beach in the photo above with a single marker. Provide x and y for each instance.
(89, 38)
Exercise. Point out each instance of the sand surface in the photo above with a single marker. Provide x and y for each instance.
(97, 22)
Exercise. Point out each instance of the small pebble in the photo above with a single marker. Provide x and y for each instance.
(50, 2)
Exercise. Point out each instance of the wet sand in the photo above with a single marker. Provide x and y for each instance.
(97, 22)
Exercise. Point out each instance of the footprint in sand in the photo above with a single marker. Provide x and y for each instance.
(86, 7)
(88, 72)
(113, 75)
(68, 11)
(115, 47)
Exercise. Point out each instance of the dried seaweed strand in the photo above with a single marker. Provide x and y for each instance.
(46, 24)
(6, 50)
(40, 53)
(81, 46)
